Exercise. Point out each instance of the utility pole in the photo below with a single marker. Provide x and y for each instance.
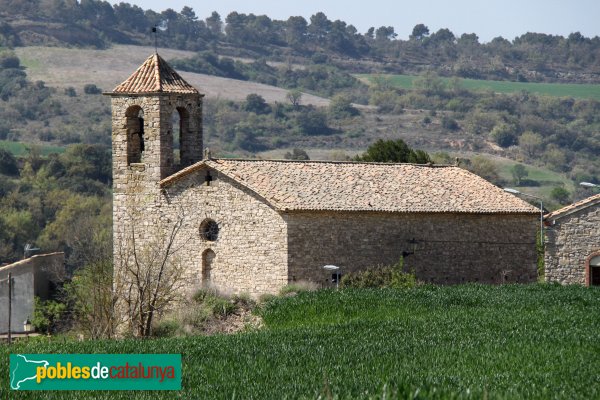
(9, 307)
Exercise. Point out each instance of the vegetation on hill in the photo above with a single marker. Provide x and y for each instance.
(58, 202)
(97, 23)
(428, 342)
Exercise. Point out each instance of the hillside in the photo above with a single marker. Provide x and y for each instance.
(429, 342)
(389, 115)
(67, 67)
(532, 56)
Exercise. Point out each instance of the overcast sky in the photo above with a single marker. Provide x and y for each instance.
(486, 18)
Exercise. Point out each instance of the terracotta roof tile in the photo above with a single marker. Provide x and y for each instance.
(155, 76)
(352, 186)
(587, 202)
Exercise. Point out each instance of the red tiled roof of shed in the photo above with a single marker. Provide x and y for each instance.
(581, 204)
(155, 75)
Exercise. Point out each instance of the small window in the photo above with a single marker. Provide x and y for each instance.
(209, 230)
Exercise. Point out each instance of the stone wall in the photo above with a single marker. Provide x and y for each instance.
(448, 248)
(571, 241)
(250, 252)
(34, 276)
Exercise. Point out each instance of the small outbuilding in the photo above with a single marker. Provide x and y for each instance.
(573, 243)
(32, 277)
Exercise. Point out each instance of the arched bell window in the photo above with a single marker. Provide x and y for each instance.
(135, 134)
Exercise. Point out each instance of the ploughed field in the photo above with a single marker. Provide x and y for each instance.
(471, 341)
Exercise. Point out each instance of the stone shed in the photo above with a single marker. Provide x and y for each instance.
(573, 243)
(257, 225)
(35, 276)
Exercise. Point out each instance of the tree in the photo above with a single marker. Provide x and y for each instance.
(504, 135)
(419, 32)
(319, 26)
(256, 103)
(214, 24)
(149, 277)
(518, 172)
(294, 96)
(561, 195)
(393, 151)
(341, 107)
(385, 33)
(90, 88)
(312, 122)
(296, 29)
(485, 168)
(530, 143)
(430, 83)
(8, 163)
(296, 154)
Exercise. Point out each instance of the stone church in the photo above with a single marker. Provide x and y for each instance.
(254, 225)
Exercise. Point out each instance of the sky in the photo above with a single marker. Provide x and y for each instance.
(486, 18)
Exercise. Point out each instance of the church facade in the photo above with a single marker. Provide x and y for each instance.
(255, 225)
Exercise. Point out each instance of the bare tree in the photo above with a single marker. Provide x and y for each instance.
(149, 275)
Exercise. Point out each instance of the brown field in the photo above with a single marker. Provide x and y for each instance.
(63, 67)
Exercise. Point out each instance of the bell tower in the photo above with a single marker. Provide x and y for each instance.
(156, 131)
(156, 126)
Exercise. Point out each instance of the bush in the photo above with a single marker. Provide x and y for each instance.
(213, 303)
(296, 154)
(256, 103)
(392, 276)
(341, 107)
(312, 122)
(450, 124)
(90, 88)
(244, 300)
(47, 315)
(167, 328)
(504, 135)
(561, 195)
(70, 91)
(298, 287)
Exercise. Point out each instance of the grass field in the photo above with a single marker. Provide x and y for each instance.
(473, 341)
(21, 149)
(544, 178)
(582, 91)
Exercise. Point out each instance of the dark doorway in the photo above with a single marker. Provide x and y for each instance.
(594, 276)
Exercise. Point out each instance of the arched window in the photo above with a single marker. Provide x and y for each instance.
(181, 138)
(135, 134)
(207, 266)
(176, 124)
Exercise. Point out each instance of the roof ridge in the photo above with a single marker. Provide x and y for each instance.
(335, 162)
(157, 71)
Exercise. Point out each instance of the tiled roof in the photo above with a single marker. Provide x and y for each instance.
(155, 76)
(587, 202)
(351, 186)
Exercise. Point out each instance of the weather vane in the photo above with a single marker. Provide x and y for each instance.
(163, 27)
(154, 30)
